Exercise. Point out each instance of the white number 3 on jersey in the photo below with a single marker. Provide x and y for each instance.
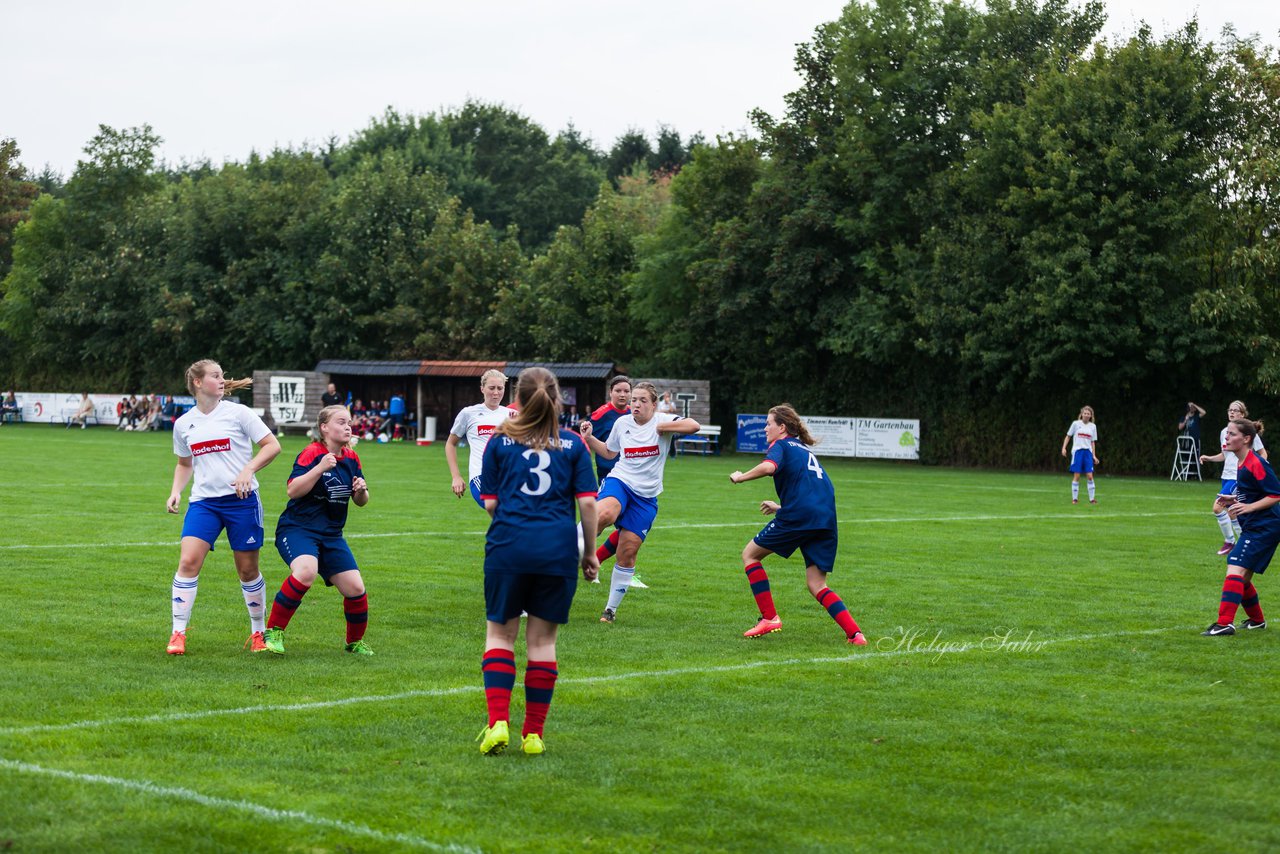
(540, 470)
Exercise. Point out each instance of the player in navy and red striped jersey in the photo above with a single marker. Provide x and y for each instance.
(532, 475)
(326, 476)
(804, 519)
(214, 444)
(628, 498)
(1254, 506)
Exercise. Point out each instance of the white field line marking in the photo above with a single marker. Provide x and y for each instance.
(179, 793)
(1045, 490)
(887, 520)
(918, 645)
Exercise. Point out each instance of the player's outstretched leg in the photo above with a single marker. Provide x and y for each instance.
(828, 599)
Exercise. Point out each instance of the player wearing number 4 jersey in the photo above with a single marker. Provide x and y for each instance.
(533, 474)
(641, 442)
(804, 519)
(214, 444)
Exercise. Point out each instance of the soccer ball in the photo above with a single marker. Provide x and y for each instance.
(383, 438)
(355, 440)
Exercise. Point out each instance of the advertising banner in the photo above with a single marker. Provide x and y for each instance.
(870, 438)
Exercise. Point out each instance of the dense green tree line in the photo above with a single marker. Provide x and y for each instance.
(980, 217)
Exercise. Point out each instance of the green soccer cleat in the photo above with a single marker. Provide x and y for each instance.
(359, 647)
(532, 745)
(274, 639)
(493, 739)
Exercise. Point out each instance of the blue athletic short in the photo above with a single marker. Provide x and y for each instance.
(1082, 462)
(1228, 487)
(818, 548)
(241, 517)
(637, 513)
(1253, 549)
(332, 554)
(547, 597)
(475, 491)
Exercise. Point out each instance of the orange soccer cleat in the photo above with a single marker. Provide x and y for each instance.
(764, 627)
(257, 642)
(177, 644)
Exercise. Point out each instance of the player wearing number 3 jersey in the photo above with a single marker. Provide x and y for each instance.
(532, 475)
(804, 519)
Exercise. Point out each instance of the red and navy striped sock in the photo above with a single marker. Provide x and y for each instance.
(499, 669)
(1232, 593)
(828, 599)
(356, 610)
(1249, 602)
(539, 682)
(608, 548)
(286, 602)
(759, 580)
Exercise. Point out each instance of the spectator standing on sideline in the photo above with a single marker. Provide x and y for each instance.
(395, 416)
(330, 396)
(1190, 424)
(667, 406)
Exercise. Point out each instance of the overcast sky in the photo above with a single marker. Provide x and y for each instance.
(219, 80)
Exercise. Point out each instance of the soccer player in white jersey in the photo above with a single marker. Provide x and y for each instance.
(1083, 435)
(214, 443)
(1231, 527)
(629, 495)
(476, 424)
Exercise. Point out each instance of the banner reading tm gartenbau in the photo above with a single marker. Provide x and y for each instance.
(875, 438)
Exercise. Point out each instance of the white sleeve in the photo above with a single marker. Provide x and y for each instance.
(179, 444)
(253, 426)
(460, 425)
(1095, 433)
(1071, 431)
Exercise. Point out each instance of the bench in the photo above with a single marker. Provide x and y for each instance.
(68, 417)
(706, 441)
(11, 415)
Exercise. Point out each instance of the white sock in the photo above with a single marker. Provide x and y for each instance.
(184, 597)
(1091, 490)
(1235, 527)
(255, 602)
(1075, 490)
(619, 583)
(1225, 526)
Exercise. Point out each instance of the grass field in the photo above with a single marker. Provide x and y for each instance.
(1035, 679)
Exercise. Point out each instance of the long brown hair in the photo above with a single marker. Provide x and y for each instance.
(537, 424)
(200, 368)
(785, 414)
